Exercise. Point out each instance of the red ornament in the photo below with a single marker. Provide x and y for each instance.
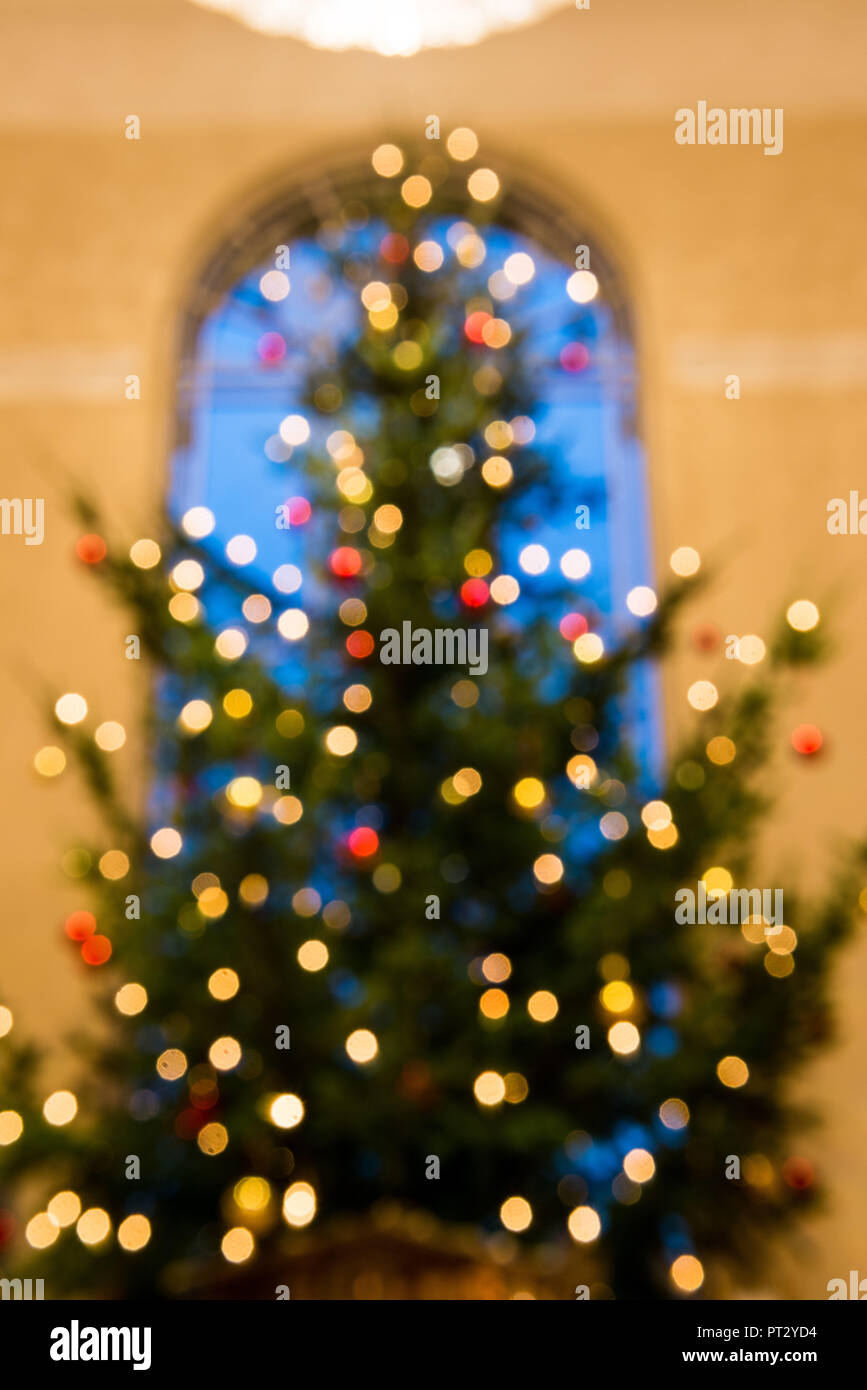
(80, 925)
(706, 638)
(574, 357)
(475, 324)
(96, 950)
(573, 626)
(798, 1173)
(363, 842)
(474, 593)
(298, 510)
(271, 348)
(807, 738)
(345, 561)
(91, 549)
(360, 643)
(394, 248)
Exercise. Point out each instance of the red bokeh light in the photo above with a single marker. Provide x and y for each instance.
(96, 950)
(394, 248)
(807, 738)
(360, 643)
(80, 925)
(475, 324)
(474, 593)
(345, 561)
(706, 637)
(91, 549)
(798, 1173)
(271, 348)
(363, 842)
(574, 357)
(573, 626)
(298, 510)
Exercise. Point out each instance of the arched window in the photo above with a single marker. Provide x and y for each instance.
(269, 319)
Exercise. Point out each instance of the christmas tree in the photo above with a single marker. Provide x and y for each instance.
(398, 922)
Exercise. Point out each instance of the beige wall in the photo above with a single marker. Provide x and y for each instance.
(737, 262)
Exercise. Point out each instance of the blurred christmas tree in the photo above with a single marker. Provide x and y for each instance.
(408, 935)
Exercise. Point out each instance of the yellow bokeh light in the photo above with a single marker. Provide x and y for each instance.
(198, 522)
(516, 1087)
(6, 1020)
(237, 703)
(65, 1208)
(497, 472)
(110, 736)
(187, 576)
(171, 1064)
(286, 1111)
(720, 750)
(687, 1273)
(638, 1165)
(717, 880)
(505, 589)
(387, 160)
(702, 695)
(131, 999)
(293, 624)
(60, 1108)
(195, 716)
(71, 708)
(588, 648)
(462, 143)
(11, 1126)
(244, 792)
(224, 983)
(237, 1245)
(529, 792)
(582, 286)
(542, 1006)
(494, 1003)
(50, 761)
(114, 864)
(548, 869)
(93, 1226)
(733, 1072)
(299, 1204)
(287, 810)
(623, 1038)
(489, 1088)
(496, 968)
(428, 256)
(212, 1139)
(253, 890)
(802, 615)
(252, 1194)
(357, 698)
(641, 601)
(656, 815)
(224, 1054)
(341, 740)
(467, 781)
(584, 1225)
(231, 643)
(166, 843)
(516, 1213)
(213, 901)
(134, 1232)
(685, 561)
(663, 839)
(483, 185)
(617, 997)
(362, 1046)
(313, 955)
(41, 1231)
(416, 191)
(145, 554)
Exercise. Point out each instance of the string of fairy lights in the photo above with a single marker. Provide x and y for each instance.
(245, 795)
